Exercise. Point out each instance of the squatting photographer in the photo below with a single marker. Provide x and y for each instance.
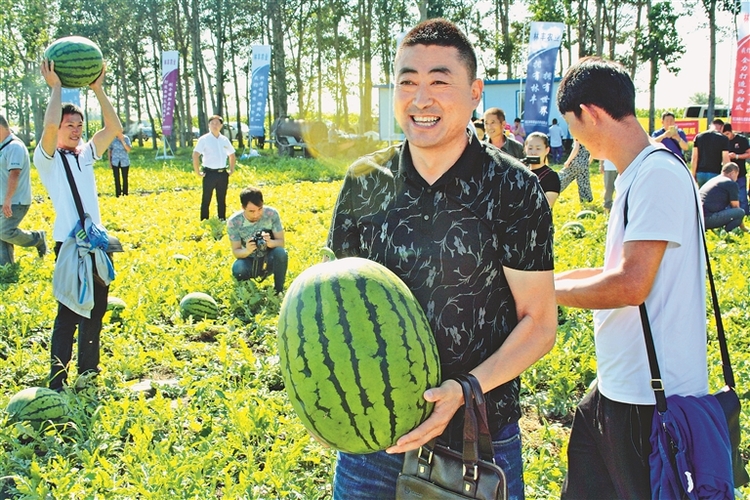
(257, 240)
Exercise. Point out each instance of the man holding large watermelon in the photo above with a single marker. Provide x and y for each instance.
(469, 230)
(62, 135)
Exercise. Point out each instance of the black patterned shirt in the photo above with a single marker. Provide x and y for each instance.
(449, 242)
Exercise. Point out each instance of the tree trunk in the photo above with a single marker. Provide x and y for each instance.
(278, 66)
(712, 65)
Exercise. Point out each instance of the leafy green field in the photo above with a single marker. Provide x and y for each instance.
(217, 423)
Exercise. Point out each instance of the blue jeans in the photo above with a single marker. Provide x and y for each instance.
(373, 476)
(729, 218)
(742, 183)
(704, 177)
(275, 261)
(10, 234)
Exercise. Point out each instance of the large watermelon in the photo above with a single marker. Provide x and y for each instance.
(78, 60)
(199, 305)
(356, 354)
(36, 405)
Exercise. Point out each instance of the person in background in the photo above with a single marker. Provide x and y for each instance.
(577, 168)
(710, 152)
(720, 200)
(119, 161)
(652, 258)
(518, 131)
(609, 173)
(494, 126)
(63, 128)
(555, 142)
(441, 210)
(537, 145)
(15, 195)
(670, 135)
(479, 128)
(739, 152)
(215, 149)
(257, 239)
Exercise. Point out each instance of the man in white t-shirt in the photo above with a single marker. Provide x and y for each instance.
(215, 149)
(61, 137)
(652, 256)
(555, 142)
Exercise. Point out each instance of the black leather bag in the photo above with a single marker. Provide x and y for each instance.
(438, 472)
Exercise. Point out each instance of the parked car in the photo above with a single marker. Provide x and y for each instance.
(143, 130)
(230, 130)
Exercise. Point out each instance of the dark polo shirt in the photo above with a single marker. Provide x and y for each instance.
(710, 146)
(449, 242)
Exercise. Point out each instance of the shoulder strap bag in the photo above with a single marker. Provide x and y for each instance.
(727, 396)
(114, 244)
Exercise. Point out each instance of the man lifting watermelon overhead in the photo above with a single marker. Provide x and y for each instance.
(66, 168)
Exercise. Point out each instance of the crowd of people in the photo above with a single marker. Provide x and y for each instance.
(449, 193)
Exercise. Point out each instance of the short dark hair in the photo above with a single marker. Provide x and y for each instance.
(717, 121)
(666, 114)
(727, 127)
(69, 108)
(602, 83)
(216, 117)
(443, 33)
(251, 195)
(497, 112)
(3, 122)
(554, 121)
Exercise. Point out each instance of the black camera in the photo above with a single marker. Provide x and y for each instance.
(260, 241)
(531, 160)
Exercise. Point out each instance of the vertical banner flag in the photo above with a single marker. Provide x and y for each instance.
(72, 96)
(544, 42)
(169, 73)
(261, 67)
(740, 102)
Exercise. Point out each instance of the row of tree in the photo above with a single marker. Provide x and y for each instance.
(321, 50)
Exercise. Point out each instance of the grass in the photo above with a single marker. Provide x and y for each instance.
(216, 422)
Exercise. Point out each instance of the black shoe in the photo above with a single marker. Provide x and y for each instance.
(41, 247)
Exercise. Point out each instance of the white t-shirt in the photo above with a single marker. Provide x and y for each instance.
(215, 150)
(52, 175)
(555, 136)
(662, 205)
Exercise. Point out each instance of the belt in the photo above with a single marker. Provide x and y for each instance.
(214, 170)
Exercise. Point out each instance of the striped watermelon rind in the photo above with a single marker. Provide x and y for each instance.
(356, 353)
(36, 405)
(199, 305)
(78, 60)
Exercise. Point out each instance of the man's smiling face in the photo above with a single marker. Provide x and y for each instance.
(434, 96)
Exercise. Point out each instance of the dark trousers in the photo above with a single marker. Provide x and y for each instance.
(89, 330)
(219, 181)
(608, 450)
(118, 172)
(276, 261)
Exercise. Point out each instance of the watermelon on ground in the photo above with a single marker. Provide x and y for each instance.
(575, 229)
(36, 405)
(199, 305)
(586, 214)
(78, 61)
(116, 305)
(356, 354)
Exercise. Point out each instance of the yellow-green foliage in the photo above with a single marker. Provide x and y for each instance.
(224, 428)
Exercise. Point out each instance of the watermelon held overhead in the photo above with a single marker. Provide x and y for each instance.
(36, 405)
(78, 61)
(356, 354)
(199, 305)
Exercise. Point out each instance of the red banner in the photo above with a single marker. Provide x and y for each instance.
(741, 101)
(690, 127)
